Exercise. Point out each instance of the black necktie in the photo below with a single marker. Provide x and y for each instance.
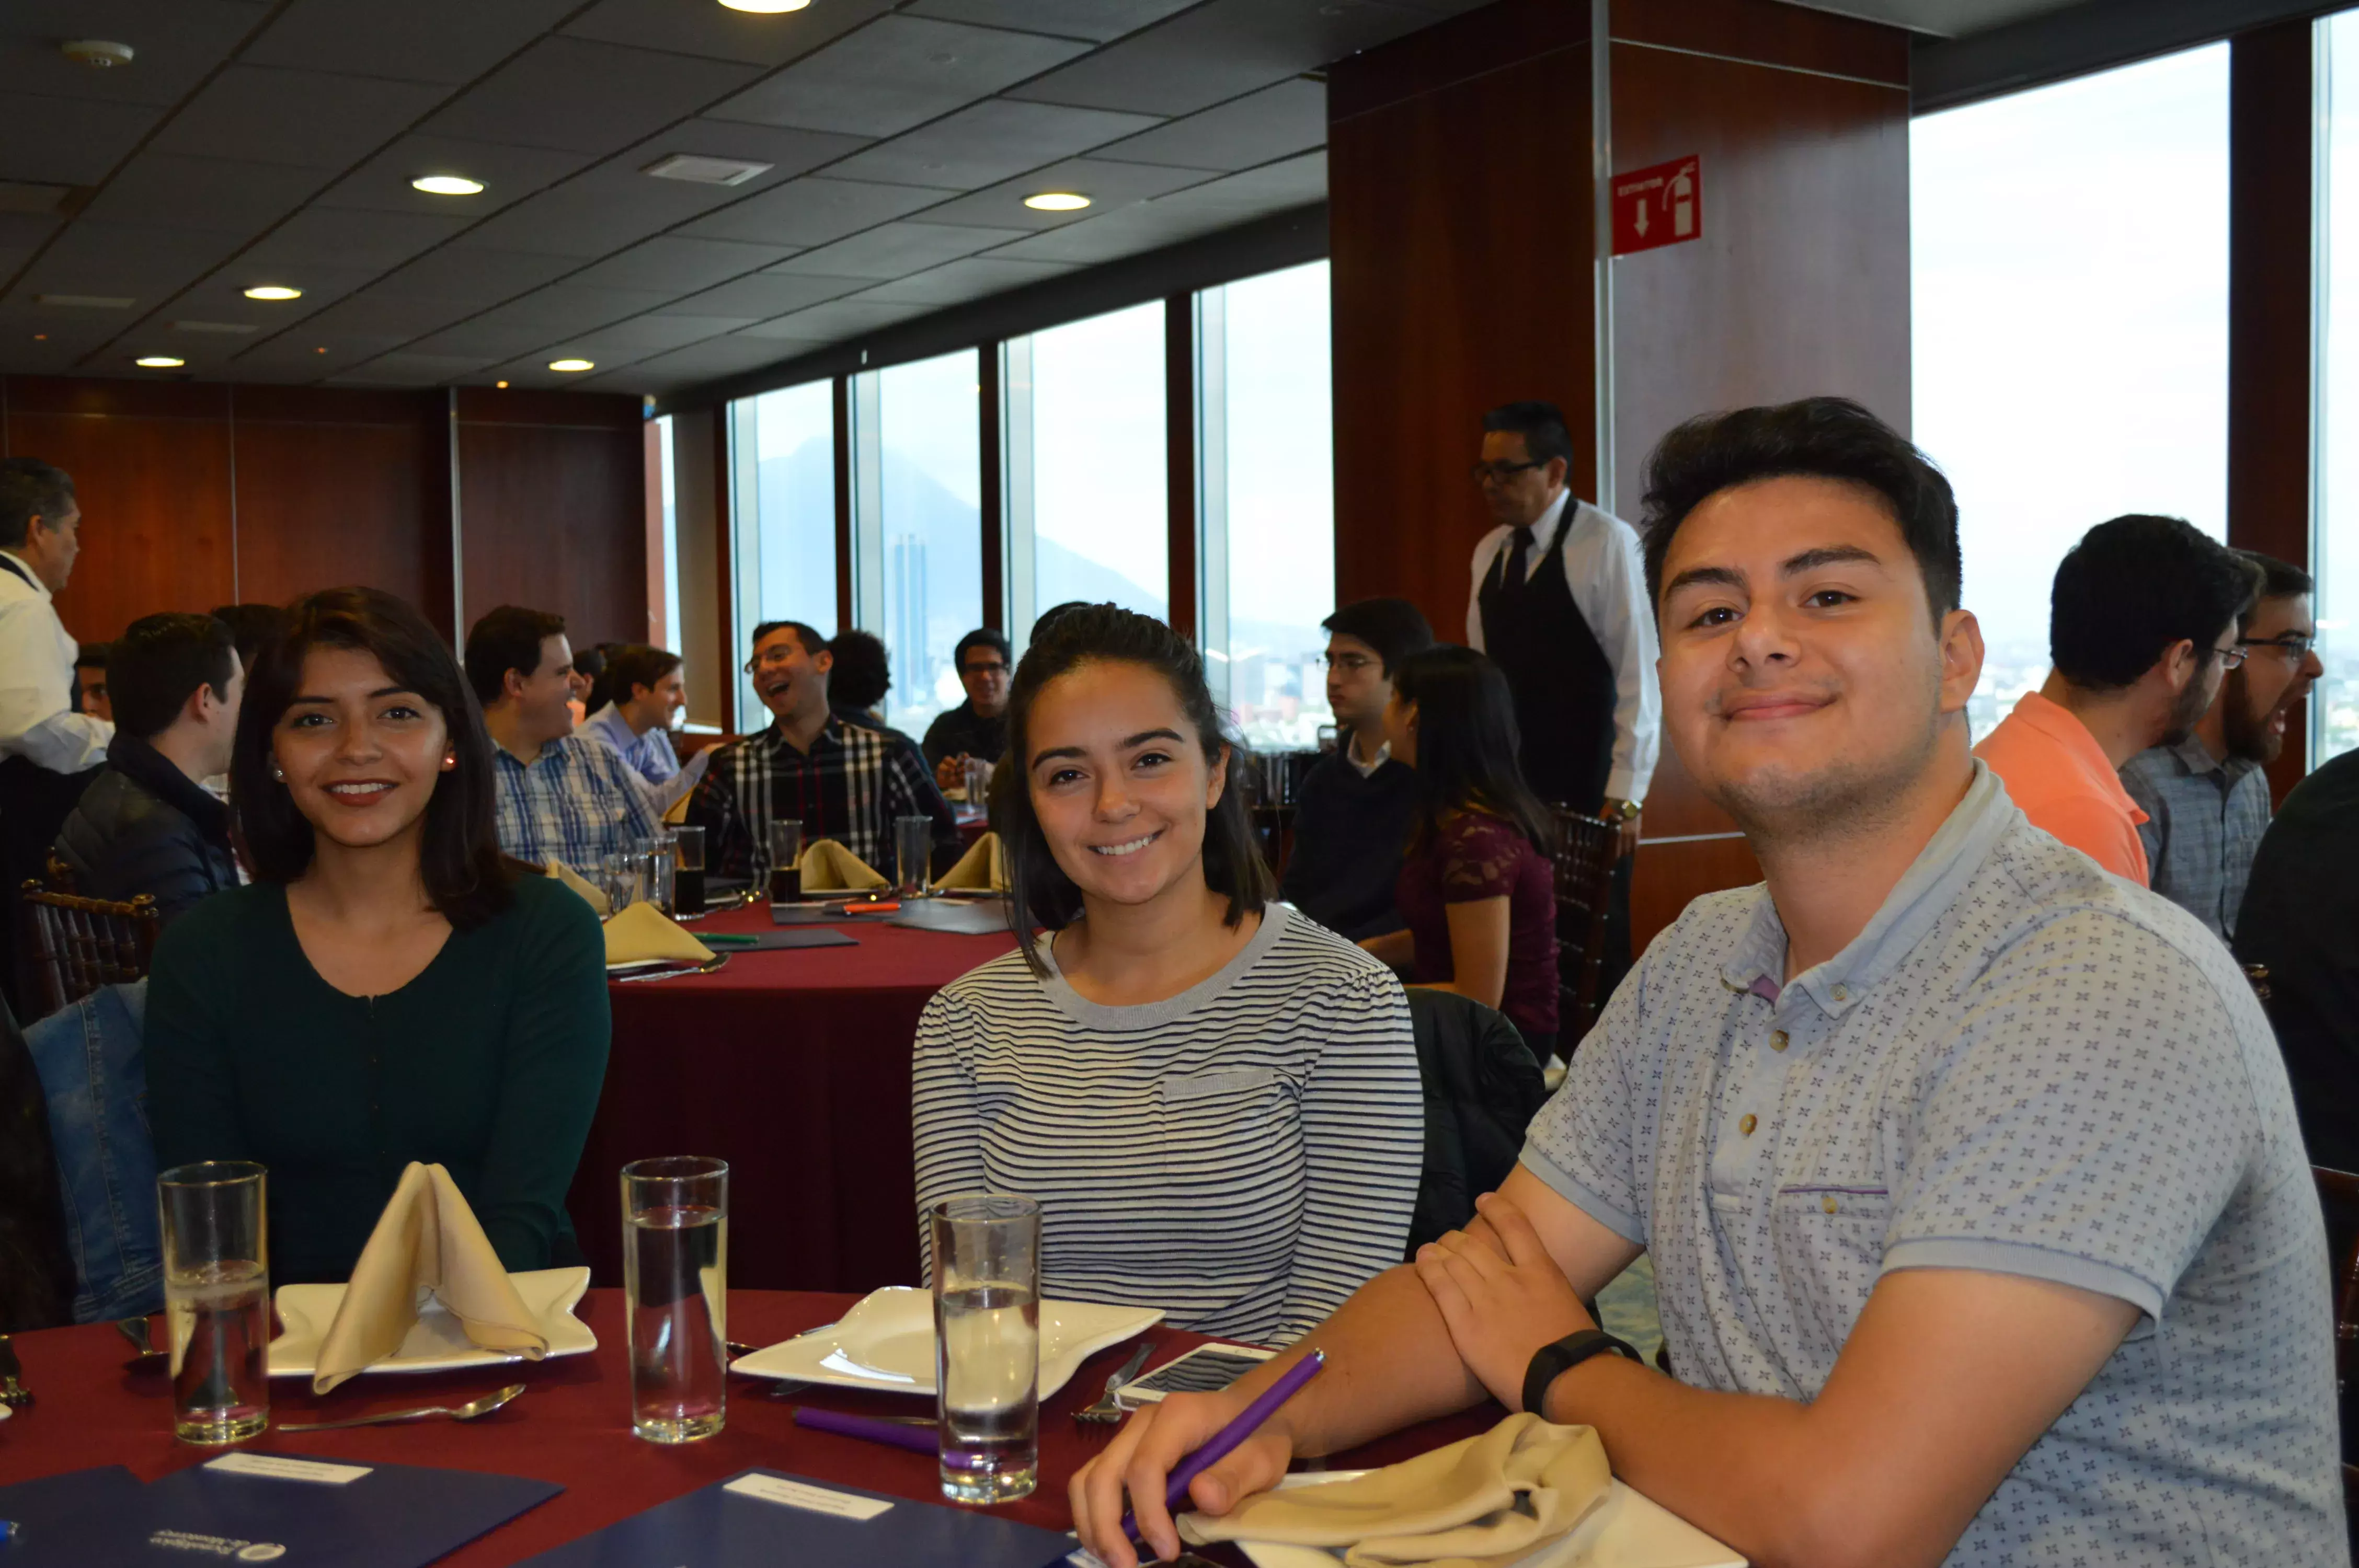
(1519, 559)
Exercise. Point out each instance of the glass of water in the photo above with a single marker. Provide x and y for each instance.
(986, 1250)
(656, 868)
(913, 842)
(676, 1295)
(217, 1298)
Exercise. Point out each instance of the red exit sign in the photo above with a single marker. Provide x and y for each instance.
(1662, 205)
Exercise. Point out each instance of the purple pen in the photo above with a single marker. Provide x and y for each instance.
(1226, 1440)
(917, 1439)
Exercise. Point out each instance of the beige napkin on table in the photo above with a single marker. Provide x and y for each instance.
(829, 867)
(983, 867)
(427, 1239)
(590, 895)
(643, 932)
(1480, 1503)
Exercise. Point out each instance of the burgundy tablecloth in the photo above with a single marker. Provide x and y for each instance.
(572, 1426)
(794, 1066)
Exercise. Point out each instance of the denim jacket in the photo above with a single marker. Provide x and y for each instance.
(91, 1057)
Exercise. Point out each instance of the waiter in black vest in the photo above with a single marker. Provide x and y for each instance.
(1559, 601)
(50, 749)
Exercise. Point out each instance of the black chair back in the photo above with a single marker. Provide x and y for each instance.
(1586, 848)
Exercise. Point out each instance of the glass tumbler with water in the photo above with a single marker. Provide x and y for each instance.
(656, 869)
(675, 1295)
(217, 1298)
(786, 862)
(913, 842)
(986, 1251)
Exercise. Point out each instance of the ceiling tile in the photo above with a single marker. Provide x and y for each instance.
(1222, 49)
(990, 141)
(697, 362)
(217, 297)
(178, 42)
(788, 151)
(562, 307)
(1291, 182)
(488, 340)
(586, 97)
(370, 315)
(69, 141)
(1100, 21)
(1290, 117)
(297, 356)
(329, 234)
(678, 263)
(896, 250)
(594, 215)
(144, 263)
(1121, 234)
(406, 368)
(700, 27)
(508, 175)
(1108, 185)
(171, 190)
(963, 280)
(450, 41)
(765, 295)
(645, 335)
(472, 276)
(897, 72)
(837, 320)
(813, 211)
(307, 118)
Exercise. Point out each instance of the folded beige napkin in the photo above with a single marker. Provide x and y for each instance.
(1481, 1503)
(590, 895)
(676, 812)
(427, 1239)
(829, 867)
(983, 867)
(643, 931)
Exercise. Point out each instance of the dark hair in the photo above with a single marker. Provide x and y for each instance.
(159, 660)
(251, 626)
(30, 488)
(466, 878)
(635, 665)
(1818, 437)
(863, 673)
(91, 655)
(508, 638)
(981, 637)
(1040, 893)
(1394, 627)
(807, 635)
(1541, 425)
(1467, 743)
(1054, 613)
(2133, 585)
(2280, 580)
(590, 662)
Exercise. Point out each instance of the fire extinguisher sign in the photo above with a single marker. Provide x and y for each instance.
(1662, 205)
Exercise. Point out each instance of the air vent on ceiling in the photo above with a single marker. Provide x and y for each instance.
(230, 329)
(697, 169)
(84, 301)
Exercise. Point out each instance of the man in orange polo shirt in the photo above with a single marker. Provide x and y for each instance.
(2141, 629)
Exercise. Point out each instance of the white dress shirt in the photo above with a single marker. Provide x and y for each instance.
(1605, 569)
(37, 671)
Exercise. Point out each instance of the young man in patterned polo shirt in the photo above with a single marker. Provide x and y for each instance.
(1981, 1225)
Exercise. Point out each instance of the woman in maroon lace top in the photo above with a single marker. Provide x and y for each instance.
(1476, 887)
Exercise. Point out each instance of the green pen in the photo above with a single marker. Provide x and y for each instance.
(727, 940)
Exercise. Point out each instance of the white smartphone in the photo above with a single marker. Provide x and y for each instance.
(1203, 1370)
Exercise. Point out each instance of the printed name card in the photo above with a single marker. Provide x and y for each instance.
(816, 1499)
(317, 1472)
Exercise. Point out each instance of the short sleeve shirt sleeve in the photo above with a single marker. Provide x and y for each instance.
(1480, 855)
(1584, 1141)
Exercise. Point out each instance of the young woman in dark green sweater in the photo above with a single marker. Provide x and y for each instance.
(388, 989)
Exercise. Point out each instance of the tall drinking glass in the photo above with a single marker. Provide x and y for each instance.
(688, 870)
(987, 1345)
(656, 871)
(217, 1298)
(913, 842)
(786, 862)
(676, 1295)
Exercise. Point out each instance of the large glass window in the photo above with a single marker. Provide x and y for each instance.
(2070, 253)
(784, 452)
(1265, 455)
(1088, 496)
(2335, 701)
(917, 490)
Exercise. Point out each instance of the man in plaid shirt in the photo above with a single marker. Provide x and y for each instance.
(558, 797)
(840, 780)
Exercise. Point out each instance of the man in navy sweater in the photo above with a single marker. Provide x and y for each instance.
(1354, 811)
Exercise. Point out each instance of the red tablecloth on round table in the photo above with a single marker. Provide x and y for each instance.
(794, 1066)
(572, 1426)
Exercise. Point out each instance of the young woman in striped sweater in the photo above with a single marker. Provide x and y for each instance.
(1214, 1099)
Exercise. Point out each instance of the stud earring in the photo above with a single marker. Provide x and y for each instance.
(450, 760)
(278, 772)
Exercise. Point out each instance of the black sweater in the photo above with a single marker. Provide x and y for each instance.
(143, 825)
(1349, 833)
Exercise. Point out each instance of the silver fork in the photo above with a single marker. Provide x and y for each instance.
(1106, 1412)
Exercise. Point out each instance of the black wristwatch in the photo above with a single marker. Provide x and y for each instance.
(1553, 1361)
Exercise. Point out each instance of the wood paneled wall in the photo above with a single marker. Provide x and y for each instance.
(1461, 199)
(196, 494)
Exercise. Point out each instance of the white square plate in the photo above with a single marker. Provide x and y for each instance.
(886, 1343)
(436, 1342)
(1628, 1530)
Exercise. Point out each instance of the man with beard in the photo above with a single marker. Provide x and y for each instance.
(2206, 798)
(1981, 1227)
(2141, 626)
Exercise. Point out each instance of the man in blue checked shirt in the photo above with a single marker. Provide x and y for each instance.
(558, 797)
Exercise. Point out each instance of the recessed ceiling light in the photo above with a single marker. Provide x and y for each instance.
(571, 365)
(500, 384)
(273, 291)
(765, 7)
(446, 185)
(1057, 201)
(158, 362)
